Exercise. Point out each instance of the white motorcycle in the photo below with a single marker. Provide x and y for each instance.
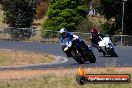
(107, 46)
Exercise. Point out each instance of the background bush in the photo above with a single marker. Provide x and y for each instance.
(64, 13)
(19, 14)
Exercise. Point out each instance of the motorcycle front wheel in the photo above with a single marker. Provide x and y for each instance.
(113, 53)
(92, 58)
(77, 56)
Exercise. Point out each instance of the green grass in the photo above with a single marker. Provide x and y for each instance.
(53, 81)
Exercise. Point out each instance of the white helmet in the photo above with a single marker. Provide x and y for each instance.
(63, 30)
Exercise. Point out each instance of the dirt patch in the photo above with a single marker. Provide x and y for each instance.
(17, 74)
(15, 58)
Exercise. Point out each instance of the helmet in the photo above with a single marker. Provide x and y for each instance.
(63, 32)
(94, 31)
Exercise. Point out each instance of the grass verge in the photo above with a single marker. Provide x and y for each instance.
(14, 58)
(64, 78)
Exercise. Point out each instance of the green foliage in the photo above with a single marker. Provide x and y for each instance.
(64, 13)
(109, 28)
(113, 9)
(128, 18)
(109, 8)
(19, 13)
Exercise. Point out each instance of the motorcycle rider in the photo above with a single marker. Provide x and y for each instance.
(72, 37)
(95, 38)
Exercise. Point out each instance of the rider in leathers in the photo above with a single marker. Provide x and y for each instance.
(72, 37)
(95, 38)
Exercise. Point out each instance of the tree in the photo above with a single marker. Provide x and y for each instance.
(128, 18)
(113, 9)
(19, 13)
(64, 13)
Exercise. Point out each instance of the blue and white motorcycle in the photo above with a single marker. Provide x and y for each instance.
(78, 50)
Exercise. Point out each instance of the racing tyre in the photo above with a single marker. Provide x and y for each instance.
(77, 57)
(92, 58)
(114, 54)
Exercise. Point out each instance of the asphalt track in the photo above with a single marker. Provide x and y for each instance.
(124, 53)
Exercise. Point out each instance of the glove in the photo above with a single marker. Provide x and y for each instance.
(75, 37)
(66, 48)
(70, 44)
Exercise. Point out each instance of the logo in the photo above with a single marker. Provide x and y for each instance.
(83, 78)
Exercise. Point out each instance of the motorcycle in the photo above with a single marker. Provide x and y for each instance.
(79, 51)
(107, 47)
